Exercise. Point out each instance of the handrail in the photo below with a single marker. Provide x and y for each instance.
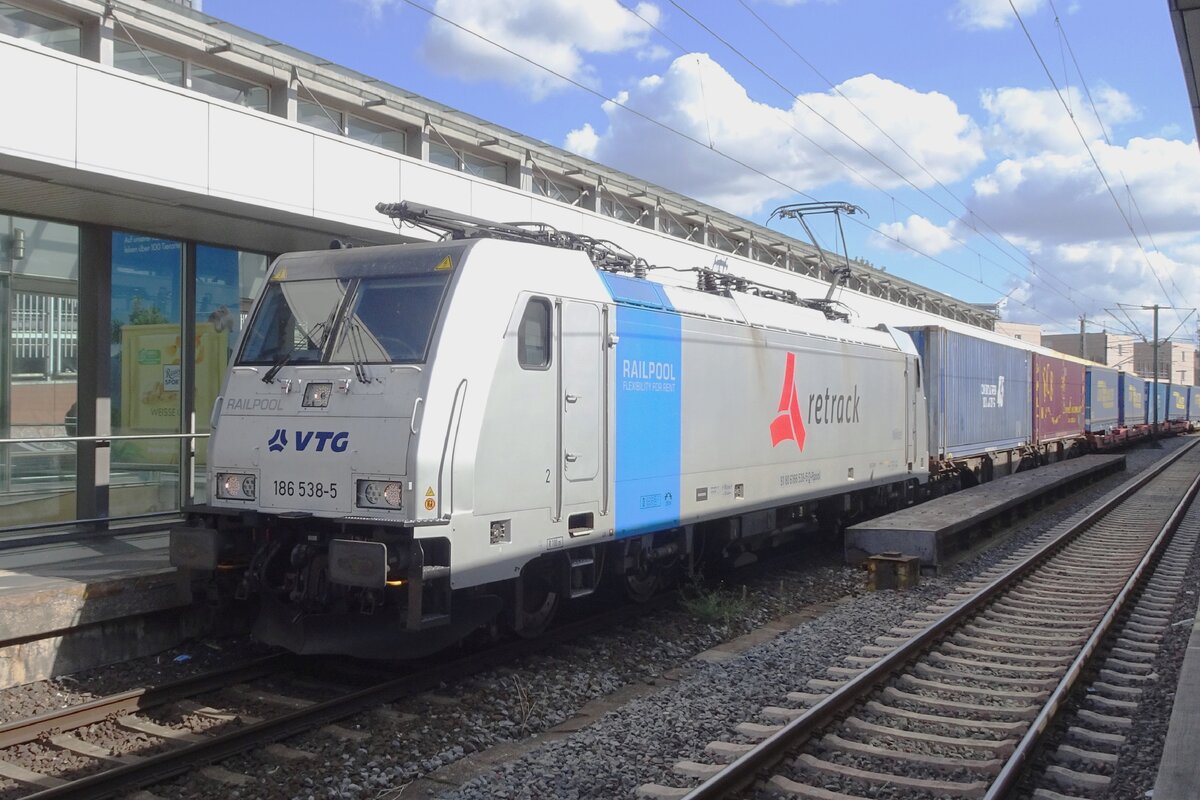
(104, 439)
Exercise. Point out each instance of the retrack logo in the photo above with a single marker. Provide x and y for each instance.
(789, 425)
(278, 441)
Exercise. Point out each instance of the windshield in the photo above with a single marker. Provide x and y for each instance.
(293, 321)
(391, 319)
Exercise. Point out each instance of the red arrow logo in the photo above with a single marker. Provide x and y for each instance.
(789, 424)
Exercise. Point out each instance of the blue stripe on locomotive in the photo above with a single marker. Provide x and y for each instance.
(649, 374)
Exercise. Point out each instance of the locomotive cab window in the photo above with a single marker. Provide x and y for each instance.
(293, 321)
(533, 335)
(391, 319)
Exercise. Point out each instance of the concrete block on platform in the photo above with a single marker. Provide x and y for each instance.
(927, 530)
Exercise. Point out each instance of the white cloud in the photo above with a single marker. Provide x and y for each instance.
(1046, 196)
(1029, 121)
(991, 14)
(559, 34)
(1054, 197)
(697, 96)
(918, 233)
(1098, 274)
(375, 8)
(583, 141)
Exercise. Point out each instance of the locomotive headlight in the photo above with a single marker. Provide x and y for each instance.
(316, 395)
(379, 494)
(236, 486)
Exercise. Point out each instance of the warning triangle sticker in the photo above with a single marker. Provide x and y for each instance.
(429, 492)
(444, 264)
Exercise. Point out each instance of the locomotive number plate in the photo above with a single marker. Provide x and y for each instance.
(318, 489)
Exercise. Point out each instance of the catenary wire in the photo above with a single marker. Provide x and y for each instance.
(1090, 152)
(682, 134)
(1104, 132)
(1042, 277)
(974, 215)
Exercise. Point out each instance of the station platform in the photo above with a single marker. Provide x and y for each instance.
(70, 606)
(933, 530)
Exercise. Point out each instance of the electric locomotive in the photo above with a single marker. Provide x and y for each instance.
(416, 441)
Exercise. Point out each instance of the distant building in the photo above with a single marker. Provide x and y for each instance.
(1022, 331)
(1111, 349)
(1176, 361)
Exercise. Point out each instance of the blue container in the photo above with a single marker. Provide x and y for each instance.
(1132, 400)
(1177, 402)
(1194, 403)
(1101, 399)
(979, 393)
(1164, 398)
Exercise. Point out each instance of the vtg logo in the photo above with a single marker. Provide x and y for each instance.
(277, 442)
(338, 442)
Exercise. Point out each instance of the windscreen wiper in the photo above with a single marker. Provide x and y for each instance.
(320, 327)
(358, 351)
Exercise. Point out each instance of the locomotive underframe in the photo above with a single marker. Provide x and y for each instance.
(389, 594)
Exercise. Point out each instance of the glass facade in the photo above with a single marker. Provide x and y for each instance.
(141, 60)
(34, 27)
(173, 315)
(315, 116)
(230, 89)
(377, 135)
(39, 326)
(227, 281)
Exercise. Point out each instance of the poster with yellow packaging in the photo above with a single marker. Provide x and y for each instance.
(151, 382)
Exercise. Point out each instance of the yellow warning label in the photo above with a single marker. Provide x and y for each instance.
(430, 503)
(280, 274)
(429, 492)
(444, 264)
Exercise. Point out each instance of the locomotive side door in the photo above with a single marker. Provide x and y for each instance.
(580, 381)
(916, 409)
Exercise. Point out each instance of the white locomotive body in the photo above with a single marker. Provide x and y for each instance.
(418, 440)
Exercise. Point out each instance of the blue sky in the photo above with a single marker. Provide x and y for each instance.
(948, 131)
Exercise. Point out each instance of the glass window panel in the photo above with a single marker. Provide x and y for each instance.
(51, 248)
(146, 371)
(147, 62)
(227, 281)
(47, 31)
(482, 168)
(562, 192)
(391, 319)
(377, 135)
(230, 89)
(39, 337)
(612, 207)
(315, 116)
(443, 156)
(293, 322)
(533, 336)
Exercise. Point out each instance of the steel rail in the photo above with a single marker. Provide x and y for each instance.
(27, 730)
(1016, 761)
(156, 768)
(739, 773)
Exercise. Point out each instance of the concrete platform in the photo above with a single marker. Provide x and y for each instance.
(72, 606)
(1179, 769)
(934, 529)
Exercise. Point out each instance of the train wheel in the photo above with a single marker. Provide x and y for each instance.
(537, 604)
(641, 578)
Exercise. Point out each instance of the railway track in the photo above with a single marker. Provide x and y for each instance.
(953, 703)
(237, 715)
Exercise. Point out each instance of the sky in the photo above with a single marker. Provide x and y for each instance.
(1059, 177)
